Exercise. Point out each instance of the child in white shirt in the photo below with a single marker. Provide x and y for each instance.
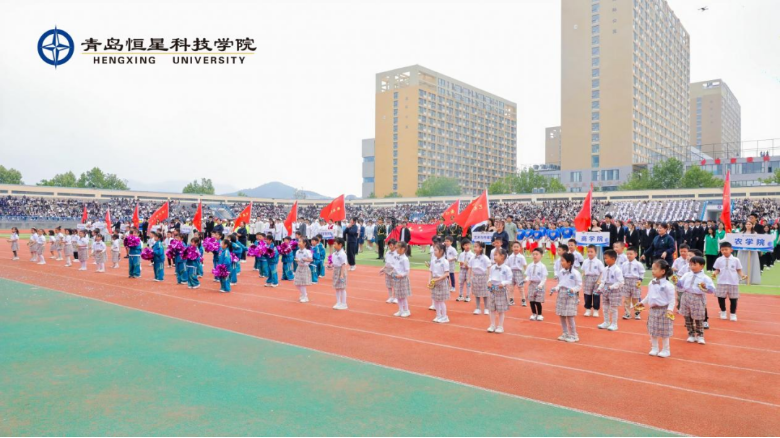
(660, 300)
(536, 276)
(464, 258)
(516, 263)
(728, 271)
(568, 289)
(478, 277)
(401, 286)
(388, 270)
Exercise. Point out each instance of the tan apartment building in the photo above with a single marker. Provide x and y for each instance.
(429, 124)
(716, 119)
(625, 76)
(552, 146)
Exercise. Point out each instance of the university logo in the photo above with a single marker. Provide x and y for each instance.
(55, 47)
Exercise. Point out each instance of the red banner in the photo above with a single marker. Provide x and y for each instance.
(421, 233)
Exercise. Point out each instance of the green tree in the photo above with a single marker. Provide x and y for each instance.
(774, 179)
(696, 177)
(372, 195)
(525, 181)
(664, 175)
(439, 186)
(10, 176)
(242, 194)
(204, 187)
(392, 195)
(97, 179)
(67, 179)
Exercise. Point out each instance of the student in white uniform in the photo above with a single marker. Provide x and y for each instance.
(339, 259)
(660, 300)
(439, 280)
(499, 280)
(568, 290)
(536, 277)
(633, 274)
(389, 270)
(464, 258)
(728, 271)
(401, 286)
(478, 277)
(610, 283)
(591, 272)
(517, 263)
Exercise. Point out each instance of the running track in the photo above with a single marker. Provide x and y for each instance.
(728, 387)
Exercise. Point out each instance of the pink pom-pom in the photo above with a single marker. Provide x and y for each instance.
(233, 258)
(221, 271)
(147, 254)
(210, 244)
(191, 253)
(132, 241)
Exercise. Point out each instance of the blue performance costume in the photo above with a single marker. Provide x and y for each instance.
(287, 262)
(134, 262)
(181, 269)
(273, 261)
(224, 259)
(159, 261)
(192, 273)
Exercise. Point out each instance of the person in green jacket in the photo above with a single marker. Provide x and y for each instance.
(721, 233)
(711, 249)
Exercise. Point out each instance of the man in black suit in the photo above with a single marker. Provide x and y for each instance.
(241, 232)
(219, 228)
(646, 238)
(381, 235)
(406, 236)
(302, 227)
(351, 234)
(632, 236)
(686, 234)
(698, 235)
(209, 226)
(608, 227)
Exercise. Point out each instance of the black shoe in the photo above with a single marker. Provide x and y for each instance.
(511, 301)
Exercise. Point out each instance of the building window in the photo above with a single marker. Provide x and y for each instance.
(395, 143)
(395, 154)
(594, 18)
(610, 175)
(594, 62)
(595, 73)
(395, 187)
(395, 171)
(594, 104)
(594, 137)
(594, 29)
(368, 159)
(595, 40)
(576, 176)
(595, 83)
(395, 162)
(594, 161)
(368, 180)
(594, 94)
(395, 104)
(594, 175)
(594, 148)
(395, 95)
(594, 116)
(594, 127)
(595, 51)
(594, 8)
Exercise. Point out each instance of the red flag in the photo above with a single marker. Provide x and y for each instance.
(451, 212)
(582, 221)
(291, 218)
(108, 221)
(766, 157)
(703, 162)
(749, 159)
(197, 221)
(717, 161)
(160, 215)
(84, 215)
(733, 161)
(335, 210)
(136, 220)
(421, 233)
(243, 217)
(725, 215)
(477, 211)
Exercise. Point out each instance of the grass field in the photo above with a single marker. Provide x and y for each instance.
(126, 372)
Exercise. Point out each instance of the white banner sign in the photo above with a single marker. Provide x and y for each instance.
(326, 234)
(585, 238)
(81, 226)
(482, 236)
(750, 242)
(185, 229)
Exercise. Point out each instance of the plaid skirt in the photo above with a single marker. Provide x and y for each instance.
(630, 289)
(498, 301)
(727, 290)
(40, 249)
(339, 283)
(518, 278)
(302, 275)
(589, 284)
(100, 257)
(692, 305)
(115, 256)
(401, 287)
(15, 246)
(69, 250)
(566, 304)
(33, 248)
(658, 325)
(463, 276)
(479, 285)
(441, 292)
(389, 280)
(533, 294)
(83, 256)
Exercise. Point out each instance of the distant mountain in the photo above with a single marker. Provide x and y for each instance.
(276, 190)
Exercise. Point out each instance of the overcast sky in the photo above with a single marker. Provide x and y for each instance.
(305, 100)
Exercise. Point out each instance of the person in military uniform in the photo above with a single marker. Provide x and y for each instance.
(456, 232)
(381, 235)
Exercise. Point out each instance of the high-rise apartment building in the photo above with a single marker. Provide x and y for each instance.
(552, 146)
(625, 83)
(716, 119)
(428, 124)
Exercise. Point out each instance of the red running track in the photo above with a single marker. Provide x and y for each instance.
(727, 387)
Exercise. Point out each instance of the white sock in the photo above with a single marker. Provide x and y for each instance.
(654, 343)
(500, 318)
(443, 309)
(438, 309)
(344, 297)
(666, 344)
(492, 319)
(401, 306)
(613, 313)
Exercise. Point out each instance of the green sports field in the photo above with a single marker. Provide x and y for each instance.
(76, 366)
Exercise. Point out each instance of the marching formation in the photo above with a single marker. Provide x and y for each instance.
(611, 277)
